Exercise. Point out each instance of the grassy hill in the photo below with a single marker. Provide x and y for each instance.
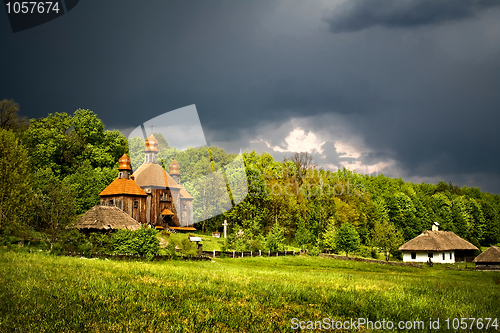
(44, 293)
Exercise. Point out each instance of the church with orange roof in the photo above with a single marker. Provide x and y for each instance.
(151, 195)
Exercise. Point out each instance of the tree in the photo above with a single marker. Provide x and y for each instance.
(303, 236)
(9, 118)
(386, 237)
(15, 184)
(303, 162)
(347, 239)
(56, 209)
(275, 238)
(330, 236)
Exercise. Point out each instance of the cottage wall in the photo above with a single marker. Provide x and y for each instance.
(423, 256)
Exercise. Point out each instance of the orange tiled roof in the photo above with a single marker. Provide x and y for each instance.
(123, 186)
(167, 212)
(152, 174)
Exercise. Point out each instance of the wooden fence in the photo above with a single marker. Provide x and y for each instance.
(132, 257)
(383, 262)
(242, 254)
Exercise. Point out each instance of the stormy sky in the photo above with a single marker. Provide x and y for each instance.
(406, 88)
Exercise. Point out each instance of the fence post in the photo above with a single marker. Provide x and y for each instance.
(214, 253)
(269, 253)
(242, 254)
(293, 252)
(260, 253)
(251, 253)
(277, 253)
(233, 253)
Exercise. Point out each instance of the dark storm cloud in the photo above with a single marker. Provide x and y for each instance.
(358, 15)
(425, 100)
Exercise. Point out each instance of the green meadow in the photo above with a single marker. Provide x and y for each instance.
(44, 293)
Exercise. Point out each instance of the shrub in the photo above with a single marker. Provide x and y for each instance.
(101, 243)
(85, 248)
(314, 251)
(188, 248)
(56, 249)
(365, 251)
(142, 242)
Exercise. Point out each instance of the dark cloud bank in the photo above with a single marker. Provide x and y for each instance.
(357, 15)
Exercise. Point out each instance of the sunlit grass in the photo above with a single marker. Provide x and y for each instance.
(42, 293)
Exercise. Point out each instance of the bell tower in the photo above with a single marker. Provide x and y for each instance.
(175, 171)
(151, 150)
(124, 168)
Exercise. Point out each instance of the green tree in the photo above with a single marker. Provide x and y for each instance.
(9, 118)
(303, 236)
(387, 238)
(275, 239)
(15, 184)
(347, 239)
(55, 211)
(330, 236)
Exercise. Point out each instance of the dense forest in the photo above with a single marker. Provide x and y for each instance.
(52, 169)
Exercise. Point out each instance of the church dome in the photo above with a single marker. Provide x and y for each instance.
(124, 163)
(151, 144)
(175, 167)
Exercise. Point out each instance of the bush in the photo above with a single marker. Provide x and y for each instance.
(142, 242)
(365, 251)
(85, 248)
(374, 253)
(57, 249)
(188, 248)
(314, 251)
(101, 243)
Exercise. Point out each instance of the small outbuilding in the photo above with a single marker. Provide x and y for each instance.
(437, 246)
(488, 260)
(106, 218)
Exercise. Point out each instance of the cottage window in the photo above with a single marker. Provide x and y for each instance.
(136, 203)
(414, 255)
(431, 255)
(111, 202)
(451, 256)
(443, 256)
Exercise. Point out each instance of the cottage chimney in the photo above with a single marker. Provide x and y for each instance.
(151, 150)
(124, 167)
(175, 171)
(435, 226)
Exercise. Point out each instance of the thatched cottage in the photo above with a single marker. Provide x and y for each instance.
(438, 247)
(104, 218)
(489, 259)
(151, 195)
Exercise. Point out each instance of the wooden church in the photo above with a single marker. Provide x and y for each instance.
(151, 195)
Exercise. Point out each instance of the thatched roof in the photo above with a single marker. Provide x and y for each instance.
(437, 241)
(492, 254)
(106, 218)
